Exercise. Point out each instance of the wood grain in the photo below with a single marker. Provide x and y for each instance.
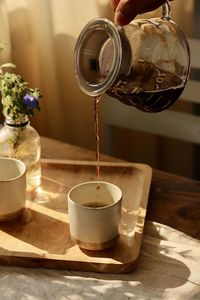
(173, 200)
(40, 237)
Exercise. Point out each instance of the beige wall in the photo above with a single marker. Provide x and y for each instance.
(42, 36)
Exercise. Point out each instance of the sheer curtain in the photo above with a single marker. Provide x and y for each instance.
(42, 35)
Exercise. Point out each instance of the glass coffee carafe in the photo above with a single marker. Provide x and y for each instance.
(144, 64)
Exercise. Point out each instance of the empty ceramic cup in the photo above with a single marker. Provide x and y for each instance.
(12, 188)
(94, 214)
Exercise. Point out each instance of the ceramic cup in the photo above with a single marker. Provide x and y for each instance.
(12, 188)
(94, 210)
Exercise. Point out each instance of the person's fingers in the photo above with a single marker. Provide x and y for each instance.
(127, 10)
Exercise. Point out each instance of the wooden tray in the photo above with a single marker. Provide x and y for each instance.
(40, 237)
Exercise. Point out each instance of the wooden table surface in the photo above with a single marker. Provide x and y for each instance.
(169, 262)
(173, 200)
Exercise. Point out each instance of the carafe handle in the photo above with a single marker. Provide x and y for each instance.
(166, 10)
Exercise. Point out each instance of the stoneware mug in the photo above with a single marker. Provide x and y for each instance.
(94, 210)
(12, 188)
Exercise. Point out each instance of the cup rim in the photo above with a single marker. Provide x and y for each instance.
(19, 162)
(94, 182)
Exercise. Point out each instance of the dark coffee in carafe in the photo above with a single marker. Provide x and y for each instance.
(148, 88)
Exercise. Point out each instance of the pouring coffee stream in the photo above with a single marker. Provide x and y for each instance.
(144, 64)
(96, 119)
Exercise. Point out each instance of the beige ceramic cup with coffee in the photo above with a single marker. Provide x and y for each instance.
(12, 188)
(94, 210)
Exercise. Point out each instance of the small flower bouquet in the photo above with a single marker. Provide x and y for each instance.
(18, 139)
(17, 97)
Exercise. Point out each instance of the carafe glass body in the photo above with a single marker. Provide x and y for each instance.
(144, 64)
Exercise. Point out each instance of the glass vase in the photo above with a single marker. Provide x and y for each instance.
(18, 139)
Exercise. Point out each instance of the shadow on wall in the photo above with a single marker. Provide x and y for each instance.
(45, 60)
(76, 108)
(64, 107)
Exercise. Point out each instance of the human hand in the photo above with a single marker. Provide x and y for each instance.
(127, 10)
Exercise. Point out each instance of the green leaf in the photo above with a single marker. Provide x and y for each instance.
(13, 88)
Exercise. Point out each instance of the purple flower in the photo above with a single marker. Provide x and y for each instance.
(30, 101)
